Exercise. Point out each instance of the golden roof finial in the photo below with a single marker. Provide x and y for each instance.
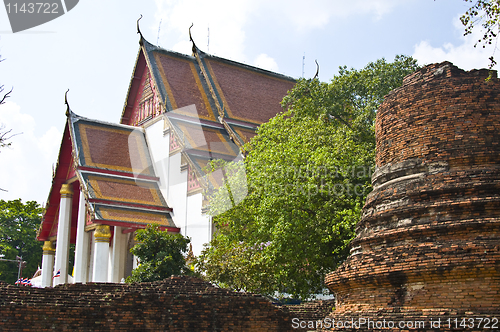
(138, 29)
(194, 48)
(66, 102)
(317, 69)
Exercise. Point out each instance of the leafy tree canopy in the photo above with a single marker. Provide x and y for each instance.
(487, 14)
(306, 176)
(18, 226)
(160, 254)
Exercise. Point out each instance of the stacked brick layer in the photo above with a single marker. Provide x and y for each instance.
(311, 311)
(429, 239)
(175, 304)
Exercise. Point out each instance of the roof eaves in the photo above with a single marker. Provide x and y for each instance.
(53, 196)
(131, 206)
(193, 120)
(125, 104)
(75, 118)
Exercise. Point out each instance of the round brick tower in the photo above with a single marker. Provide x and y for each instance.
(428, 243)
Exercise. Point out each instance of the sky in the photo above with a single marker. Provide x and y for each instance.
(91, 50)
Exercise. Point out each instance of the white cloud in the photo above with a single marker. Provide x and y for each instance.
(264, 61)
(26, 166)
(317, 13)
(465, 55)
(50, 143)
(227, 19)
(224, 18)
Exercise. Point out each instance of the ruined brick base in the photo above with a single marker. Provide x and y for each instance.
(175, 304)
(428, 243)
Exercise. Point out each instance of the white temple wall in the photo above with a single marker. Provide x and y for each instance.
(173, 185)
(177, 191)
(159, 150)
(110, 263)
(198, 225)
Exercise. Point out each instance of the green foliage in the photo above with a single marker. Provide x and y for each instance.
(160, 254)
(18, 226)
(306, 176)
(487, 14)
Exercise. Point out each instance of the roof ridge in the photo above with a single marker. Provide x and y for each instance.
(153, 48)
(75, 117)
(249, 67)
(202, 54)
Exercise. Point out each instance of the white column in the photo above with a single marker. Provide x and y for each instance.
(101, 253)
(90, 271)
(136, 261)
(82, 244)
(110, 260)
(119, 255)
(63, 228)
(47, 264)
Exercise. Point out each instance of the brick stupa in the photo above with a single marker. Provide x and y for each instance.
(428, 243)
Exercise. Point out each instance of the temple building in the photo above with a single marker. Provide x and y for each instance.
(111, 179)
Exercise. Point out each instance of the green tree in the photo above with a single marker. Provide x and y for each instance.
(485, 13)
(18, 226)
(306, 175)
(160, 254)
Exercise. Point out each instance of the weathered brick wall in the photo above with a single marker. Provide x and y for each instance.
(175, 304)
(313, 310)
(440, 113)
(428, 244)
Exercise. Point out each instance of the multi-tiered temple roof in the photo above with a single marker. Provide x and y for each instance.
(213, 106)
(113, 167)
(210, 107)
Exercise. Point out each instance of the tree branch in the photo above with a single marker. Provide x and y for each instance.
(5, 96)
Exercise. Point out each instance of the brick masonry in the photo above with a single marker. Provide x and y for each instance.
(311, 311)
(428, 243)
(174, 304)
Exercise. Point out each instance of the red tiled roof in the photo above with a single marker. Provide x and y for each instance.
(248, 95)
(183, 84)
(206, 139)
(112, 147)
(128, 191)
